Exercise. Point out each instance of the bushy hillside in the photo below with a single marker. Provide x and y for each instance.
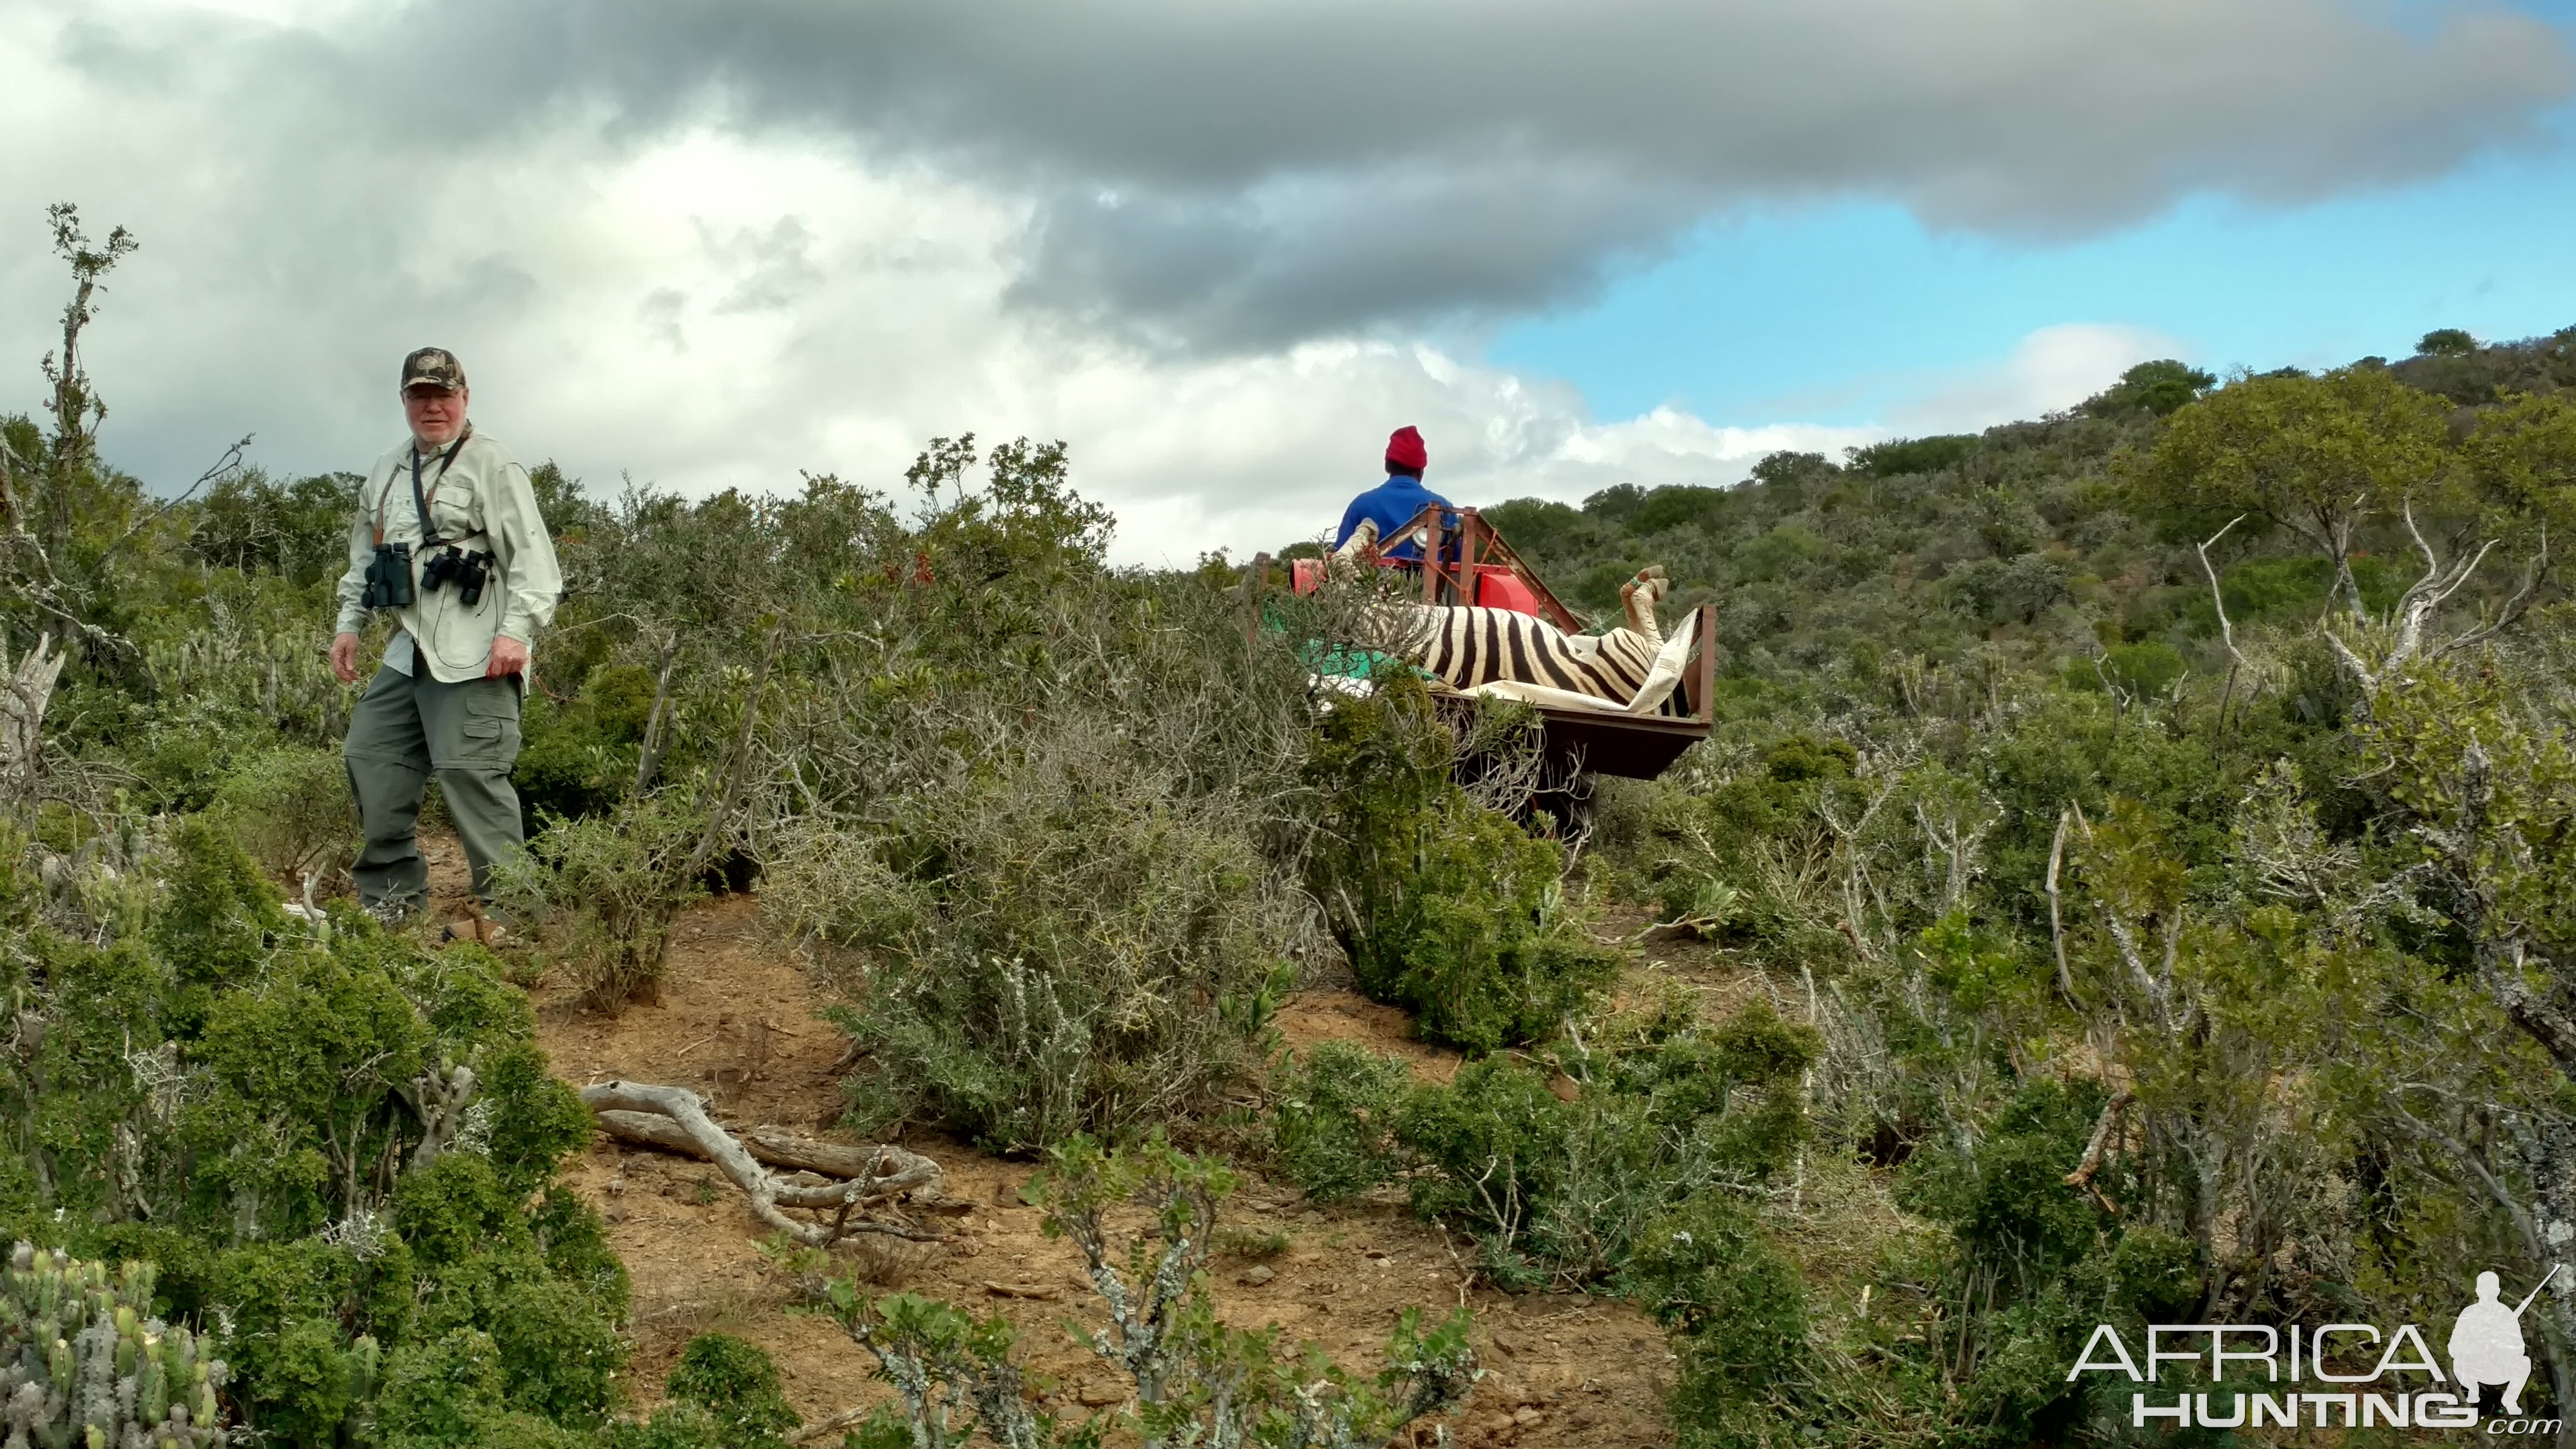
(2098, 947)
(2031, 541)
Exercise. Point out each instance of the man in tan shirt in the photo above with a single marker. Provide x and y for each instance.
(448, 538)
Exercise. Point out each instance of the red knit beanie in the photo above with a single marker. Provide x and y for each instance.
(1405, 450)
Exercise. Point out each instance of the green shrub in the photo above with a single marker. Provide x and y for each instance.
(1333, 1119)
(1445, 908)
(724, 1394)
(320, 1132)
(1898, 456)
(2147, 667)
(440, 1392)
(1736, 1310)
(1070, 943)
(1709, 857)
(455, 1392)
(2006, 1197)
(252, 522)
(614, 883)
(1555, 1178)
(559, 1356)
(300, 1374)
(1197, 1380)
(577, 757)
(2161, 387)
(290, 810)
(737, 1386)
(675, 1425)
(2028, 1265)
(1499, 1143)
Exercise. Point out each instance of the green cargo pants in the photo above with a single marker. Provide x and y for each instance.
(405, 726)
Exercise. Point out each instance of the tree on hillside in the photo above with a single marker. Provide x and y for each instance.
(1899, 456)
(2521, 456)
(2162, 387)
(2318, 456)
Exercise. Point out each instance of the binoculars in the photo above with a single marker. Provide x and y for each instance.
(467, 571)
(389, 576)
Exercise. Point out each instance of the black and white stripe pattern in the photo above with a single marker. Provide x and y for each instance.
(1468, 647)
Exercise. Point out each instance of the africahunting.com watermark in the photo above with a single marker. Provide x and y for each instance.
(2485, 1351)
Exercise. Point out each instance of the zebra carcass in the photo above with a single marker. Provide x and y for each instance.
(1624, 702)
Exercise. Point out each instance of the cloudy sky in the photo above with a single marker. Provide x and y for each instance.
(1223, 246)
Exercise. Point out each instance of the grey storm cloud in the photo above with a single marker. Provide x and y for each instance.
(1234, 176)
(1241, 174)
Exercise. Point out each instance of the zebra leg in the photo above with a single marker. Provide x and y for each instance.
(1637, 599)
(1361, 539)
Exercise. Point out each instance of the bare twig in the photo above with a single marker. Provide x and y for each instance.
(2226, 630)
(2514, 607)
(2406, 623)
(11, 518)
(225, 464)
(649, 757)
(740, 770)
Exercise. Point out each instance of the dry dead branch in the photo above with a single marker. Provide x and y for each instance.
(2217, 595)
(676, 1119)
(829, 1428)
(2056, 920)
(2103, 1129)
(887, 1170)
(23, 694)
(2400, 639)
(223, 467)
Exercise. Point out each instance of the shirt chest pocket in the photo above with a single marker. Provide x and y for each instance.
(454, 512)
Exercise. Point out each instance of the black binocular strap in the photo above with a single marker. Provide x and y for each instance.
(419, 500)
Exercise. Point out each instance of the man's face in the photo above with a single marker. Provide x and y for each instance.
(437, 413)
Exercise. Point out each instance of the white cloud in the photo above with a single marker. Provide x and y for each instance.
(706, 306)
(2049, 370)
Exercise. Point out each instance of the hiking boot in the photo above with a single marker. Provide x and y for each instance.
(482, 925)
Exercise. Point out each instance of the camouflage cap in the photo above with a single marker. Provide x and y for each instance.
(432, 367)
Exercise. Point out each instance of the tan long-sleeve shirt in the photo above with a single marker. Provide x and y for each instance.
(483, 504)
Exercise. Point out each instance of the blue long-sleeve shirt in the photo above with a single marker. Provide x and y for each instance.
(1393, 504)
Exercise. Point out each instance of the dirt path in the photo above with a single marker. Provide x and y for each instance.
(739, 1022)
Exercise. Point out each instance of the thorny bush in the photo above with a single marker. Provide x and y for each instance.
(1197, 1381)
(1554, 1167)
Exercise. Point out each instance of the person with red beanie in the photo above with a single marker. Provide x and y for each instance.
(1394, 502)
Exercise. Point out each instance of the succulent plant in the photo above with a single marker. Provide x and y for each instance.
(85, 1365)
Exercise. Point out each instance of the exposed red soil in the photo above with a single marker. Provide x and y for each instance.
(738, 1021)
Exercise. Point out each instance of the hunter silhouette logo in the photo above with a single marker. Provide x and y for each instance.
(2486, 1343)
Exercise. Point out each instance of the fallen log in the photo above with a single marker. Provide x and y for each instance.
(781, 1148)
(878, 1172)
(675, 1118)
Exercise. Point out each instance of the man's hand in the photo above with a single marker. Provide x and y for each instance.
(344, 657)
(509, 656)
